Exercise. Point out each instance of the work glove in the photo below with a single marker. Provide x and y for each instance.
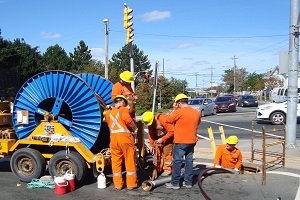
(236, 169)
(152, 150)
(159, 141)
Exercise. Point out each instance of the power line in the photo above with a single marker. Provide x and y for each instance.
(207, 37)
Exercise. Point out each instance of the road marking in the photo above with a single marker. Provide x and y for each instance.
(243, 113)
(298, 192)
(236, 127)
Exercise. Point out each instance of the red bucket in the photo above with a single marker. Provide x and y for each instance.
(60, 185)
(70, 178)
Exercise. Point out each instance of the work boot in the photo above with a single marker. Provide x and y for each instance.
(171, 186)
(186, 186)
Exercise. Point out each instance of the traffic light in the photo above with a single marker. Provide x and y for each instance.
(127, 17)
(129, 35)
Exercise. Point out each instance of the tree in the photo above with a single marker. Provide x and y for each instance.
(94, 67)
(121, 62)
(240, 75)
(81, 57)
(18, 62)
(273, 82)
(56, 58)
(255, 81)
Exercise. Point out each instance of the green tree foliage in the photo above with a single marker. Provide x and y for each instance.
(228, 79)
(56, 58)
(255, 81)
(121, 61)
(18, 62)
(81, 57)
(94, 67)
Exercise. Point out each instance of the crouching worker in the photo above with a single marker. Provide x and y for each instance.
(122, 126)
(228, 156)
(160, 135)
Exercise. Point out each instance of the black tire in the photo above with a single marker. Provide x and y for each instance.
(27, 164)
(278, 118)
(214, 111)
(59, 164)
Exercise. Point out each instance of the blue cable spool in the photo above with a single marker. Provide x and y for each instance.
(64, 95)
(101, 86)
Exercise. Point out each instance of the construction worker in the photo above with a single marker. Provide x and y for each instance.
(228, 156)
(186, 121)
(122, 146)
(160, 135)
(123, 87)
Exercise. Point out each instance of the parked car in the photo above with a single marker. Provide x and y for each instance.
(225, 104)
(205, 105)
(235, 98)
(247, 100)
(274, 112)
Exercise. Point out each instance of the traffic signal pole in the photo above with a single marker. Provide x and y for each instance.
(129, 37)
(292, 98)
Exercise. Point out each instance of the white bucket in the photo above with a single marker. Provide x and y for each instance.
(101, 180)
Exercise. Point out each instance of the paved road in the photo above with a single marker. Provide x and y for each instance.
(239, 123)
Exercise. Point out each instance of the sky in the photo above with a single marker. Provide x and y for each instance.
(194, 40)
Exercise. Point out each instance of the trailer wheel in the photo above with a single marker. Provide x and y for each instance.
(59, 164)
(27, 164)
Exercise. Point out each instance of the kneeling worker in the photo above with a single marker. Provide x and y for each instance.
(228, 156)
(160, 133)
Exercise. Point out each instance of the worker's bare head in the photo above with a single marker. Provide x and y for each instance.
(120, 100)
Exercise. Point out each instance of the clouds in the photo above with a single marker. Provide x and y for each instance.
(97, 53)
(50, 35)
(156, 16)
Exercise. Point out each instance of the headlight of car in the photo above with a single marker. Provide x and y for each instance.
(246, 101)
(265, 107)
(232, 104)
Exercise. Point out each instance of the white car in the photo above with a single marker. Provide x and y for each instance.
(205, 105)
(274, 112)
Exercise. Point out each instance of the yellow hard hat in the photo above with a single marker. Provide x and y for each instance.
(127, 76)
(233, 139)
(148, 118)
(180, 96)
(121, 97)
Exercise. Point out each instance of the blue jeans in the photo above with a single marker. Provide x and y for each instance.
(180, 150)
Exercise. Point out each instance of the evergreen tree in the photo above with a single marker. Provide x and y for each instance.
(56, 58)
(81, 57)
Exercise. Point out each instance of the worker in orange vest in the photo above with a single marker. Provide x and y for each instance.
(122, 147)
(160, 133)
(123, 87)
(228, 156)
(186, 121)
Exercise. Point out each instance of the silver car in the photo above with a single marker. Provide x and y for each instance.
(205, 105)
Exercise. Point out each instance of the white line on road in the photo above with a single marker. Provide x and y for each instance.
(236, 127)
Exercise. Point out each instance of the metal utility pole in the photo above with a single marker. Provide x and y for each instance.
(106, 32)
(292, 98)
(234, 71)
(211, 81)
(155, 86)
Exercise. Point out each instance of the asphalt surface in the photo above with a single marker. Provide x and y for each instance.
(281, 182)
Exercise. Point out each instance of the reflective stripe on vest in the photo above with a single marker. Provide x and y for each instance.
(117, 174)
(115, 123)
(130, 173)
